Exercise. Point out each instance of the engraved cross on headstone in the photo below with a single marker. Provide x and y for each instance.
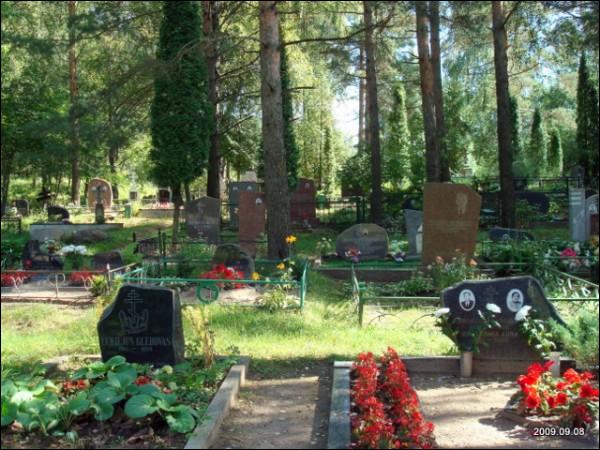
(133, 299)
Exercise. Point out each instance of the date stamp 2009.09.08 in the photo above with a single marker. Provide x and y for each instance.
(557, 431)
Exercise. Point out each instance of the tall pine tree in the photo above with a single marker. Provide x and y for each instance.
(292, 153)
(536, 153)
(180, 114)
(587, 122)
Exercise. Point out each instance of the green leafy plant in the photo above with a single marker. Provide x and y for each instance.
(448, 273)
(538, 332)
(275, 299)
(580, 339)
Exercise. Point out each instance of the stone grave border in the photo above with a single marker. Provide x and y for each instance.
(57, 282)
(205, 434)
(42, 231)
(339, 433)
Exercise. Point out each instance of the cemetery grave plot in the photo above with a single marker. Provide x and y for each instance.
(111, 404)
(202, 280)
(146, 390)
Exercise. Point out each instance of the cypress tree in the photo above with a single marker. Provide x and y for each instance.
(181, 114)
(537, 146)
(555, 153)
(397, 147)
(587, 122)
(289, 139)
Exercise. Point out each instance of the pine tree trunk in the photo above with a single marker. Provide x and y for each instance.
(7, 159)
(438, 90)
(74, 108)
(373, 115)
(432, 155)
(177, 202)
(505, 157)
(210, 26)
(276, 186)
(361, 97)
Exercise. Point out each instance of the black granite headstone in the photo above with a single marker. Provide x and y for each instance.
(144, 325)
(468, 299)
(538, 200)
(499, 234)
(112, 259)
(234, 256)
(22, 206)
(34, 259)
(57, 211)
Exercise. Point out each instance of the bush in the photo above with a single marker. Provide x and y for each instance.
(580, 339)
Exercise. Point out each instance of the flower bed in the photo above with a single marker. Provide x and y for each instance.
(15, 278)
(570, 401)
(108, 404)
(385, 407)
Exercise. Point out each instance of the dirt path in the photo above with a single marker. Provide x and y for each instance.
(464, 415)
(290, 411)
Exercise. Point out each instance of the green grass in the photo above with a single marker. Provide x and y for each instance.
(326, 329)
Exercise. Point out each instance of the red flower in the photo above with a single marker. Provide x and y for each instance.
(587, 391)
(562, 385)
(568, 253)
(142, 379)
(561, 399)
(572, 376)
(532, 401)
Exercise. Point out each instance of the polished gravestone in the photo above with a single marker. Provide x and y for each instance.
(144, 325)
(414, 221)
(203, 219)
(22, 206)
(103, 260)
(499, 234)
(57, 212)
(369, 239)
(577, 228)
(33, 258)
(99, 191)
(450, 221)
(252, 219)
(504, 347)
(537, 200)
(303, 202)
(591, 211)
(233, 256)
(235, 189)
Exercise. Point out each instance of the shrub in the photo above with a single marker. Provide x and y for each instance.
(580, 340)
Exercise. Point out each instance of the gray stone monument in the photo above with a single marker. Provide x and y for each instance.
(203, 219)
(591, 209)
(413, 220)
(369, 239)
(577, 229)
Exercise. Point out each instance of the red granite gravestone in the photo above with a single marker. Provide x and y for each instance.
(303, 202)
(450, 221)
(252, 219)
(99, 191)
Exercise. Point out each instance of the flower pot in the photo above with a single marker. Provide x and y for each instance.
(466, 364)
